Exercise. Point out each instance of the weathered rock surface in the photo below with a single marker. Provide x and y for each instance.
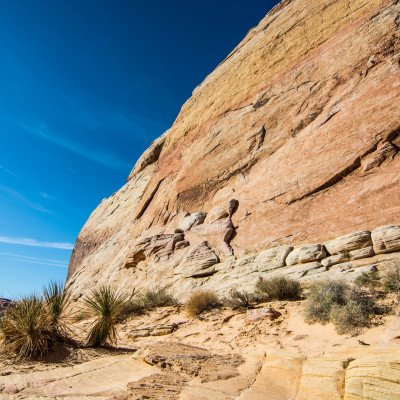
(293, 139)
(386, 239)
(347, 243)
(306, 253)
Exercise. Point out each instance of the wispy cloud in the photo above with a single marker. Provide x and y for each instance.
(35, 260)
(107, 159)
(36, 243)
(9, 172)
(47, 196)
(17, 195)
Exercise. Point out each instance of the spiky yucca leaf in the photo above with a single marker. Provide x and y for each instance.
(25, 328)
(107, 305)
(56, 300)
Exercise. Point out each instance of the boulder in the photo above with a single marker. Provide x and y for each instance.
(361, 253)
(258, 314)
(198, 261)
(336, 259)
(224, 210)
(306, 253)
(272, 258)
(347, 243)
(386, 239)
(191, 220)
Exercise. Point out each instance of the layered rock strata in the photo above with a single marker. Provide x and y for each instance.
(299, 125)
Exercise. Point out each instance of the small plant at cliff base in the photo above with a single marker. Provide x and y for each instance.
(348, 308)
(278, 288)
(370, 280)
(239, 299)
(56, 300)
(107, 305)
(25, 328)
(391, 281)
(201, 301)
(322, 296)
(157, 297)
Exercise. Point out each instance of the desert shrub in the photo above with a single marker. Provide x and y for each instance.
(178, 230)
(25, 328)
(391, 281)
(153, 298)
(278, 288)
(349, 318)
(56, 300)
(347, 307)
(239, 299)
(106, 305)
(200, 301)
(368, 279)
(322, 296)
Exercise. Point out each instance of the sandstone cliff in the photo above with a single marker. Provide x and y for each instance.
(293, 139)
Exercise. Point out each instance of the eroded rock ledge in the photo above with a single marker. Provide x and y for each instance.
(195, 263)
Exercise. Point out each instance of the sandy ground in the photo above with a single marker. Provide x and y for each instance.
(222, 331)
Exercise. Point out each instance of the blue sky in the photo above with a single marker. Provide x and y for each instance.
(85, 88)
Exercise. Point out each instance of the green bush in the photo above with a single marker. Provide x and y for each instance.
(347, 307)
(279, 288)
(369, 280)
(201, 301)
(322, 296)
(25, 328)
(107, 306)
(349, 318)
(391, 281)
(157, 297)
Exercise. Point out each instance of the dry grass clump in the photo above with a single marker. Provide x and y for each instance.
(278, 288)
(157, 297)
(200, 301)
(25, 328)
(347, 307)
(148, 300)
(239, 299)
(106, 305)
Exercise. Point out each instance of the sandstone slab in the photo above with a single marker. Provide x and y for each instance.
(306, 253)
(386, 239)
(350, 242)
(199, 260)
(271, 259)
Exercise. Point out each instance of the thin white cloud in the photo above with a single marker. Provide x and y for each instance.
(35, 260)
(107, 159)
(36, 243)
(23, 199)
(9, 172)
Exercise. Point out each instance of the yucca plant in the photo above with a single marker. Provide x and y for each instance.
(25, 328)
(56, 300)
(107, 305)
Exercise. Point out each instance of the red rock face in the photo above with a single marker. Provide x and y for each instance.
(300, 124)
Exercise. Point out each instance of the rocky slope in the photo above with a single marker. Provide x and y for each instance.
(293, 139)
(223, 355)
